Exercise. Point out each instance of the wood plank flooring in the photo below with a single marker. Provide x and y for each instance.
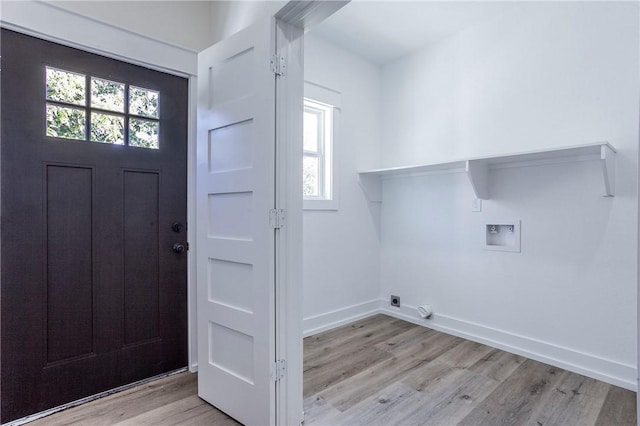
(384, 371)
(165, 402)
(417, 376)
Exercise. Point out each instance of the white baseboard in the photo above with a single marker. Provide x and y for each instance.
(607, 370)
(319, 323)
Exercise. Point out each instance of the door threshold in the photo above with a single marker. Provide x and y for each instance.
(87, 399)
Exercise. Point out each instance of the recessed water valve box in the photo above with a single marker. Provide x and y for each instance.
(394, 301)
(502, 235)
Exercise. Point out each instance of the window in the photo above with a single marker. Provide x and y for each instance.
(317, 150)
(88, 108)
(319, 129)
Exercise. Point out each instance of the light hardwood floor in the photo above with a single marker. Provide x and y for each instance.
(384, 371)
(170, 401)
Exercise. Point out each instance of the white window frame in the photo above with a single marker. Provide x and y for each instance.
(322, 154)
(329, 100)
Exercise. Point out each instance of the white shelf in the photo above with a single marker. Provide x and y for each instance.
(477, 169)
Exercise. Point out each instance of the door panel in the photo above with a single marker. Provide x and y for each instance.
(141, 280)
(92, 294)
(236, 181)
(69, 263)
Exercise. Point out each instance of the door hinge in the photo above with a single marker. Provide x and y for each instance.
(276, 218)
(278, 370)
(278, 64)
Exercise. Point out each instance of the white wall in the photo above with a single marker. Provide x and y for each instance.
(341, 248)
(183, 23)
(195, 25)
(229, 17)
(546, 75)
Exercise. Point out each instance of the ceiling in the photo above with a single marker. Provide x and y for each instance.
(382, 31)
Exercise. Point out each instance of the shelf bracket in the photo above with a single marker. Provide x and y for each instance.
(478, 174)
(607, 159)
(372, 187)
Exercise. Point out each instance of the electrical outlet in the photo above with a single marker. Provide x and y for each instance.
(395, 301)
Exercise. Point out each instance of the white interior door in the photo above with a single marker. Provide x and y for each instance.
(235, 244)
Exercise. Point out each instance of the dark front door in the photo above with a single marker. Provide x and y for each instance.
(93, 207)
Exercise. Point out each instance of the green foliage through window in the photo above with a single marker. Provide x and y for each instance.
(68, 123)
(107, 95)
(143, 102)
(67, 110)
(67, 87)
(107, 128)
(143, 133)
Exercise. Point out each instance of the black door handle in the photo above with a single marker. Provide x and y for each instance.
(178, 248)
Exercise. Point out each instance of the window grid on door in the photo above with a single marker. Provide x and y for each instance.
(95, 109)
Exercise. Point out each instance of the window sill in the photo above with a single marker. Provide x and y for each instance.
(329, 205)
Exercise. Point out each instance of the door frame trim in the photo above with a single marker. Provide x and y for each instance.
(292, 21)
(56, 24)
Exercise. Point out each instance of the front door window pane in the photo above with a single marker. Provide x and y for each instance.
(143, 102)
(111, 112)
(107, 95)
(107, 128)
(63, 122)
(143, 133)
(64, 86)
